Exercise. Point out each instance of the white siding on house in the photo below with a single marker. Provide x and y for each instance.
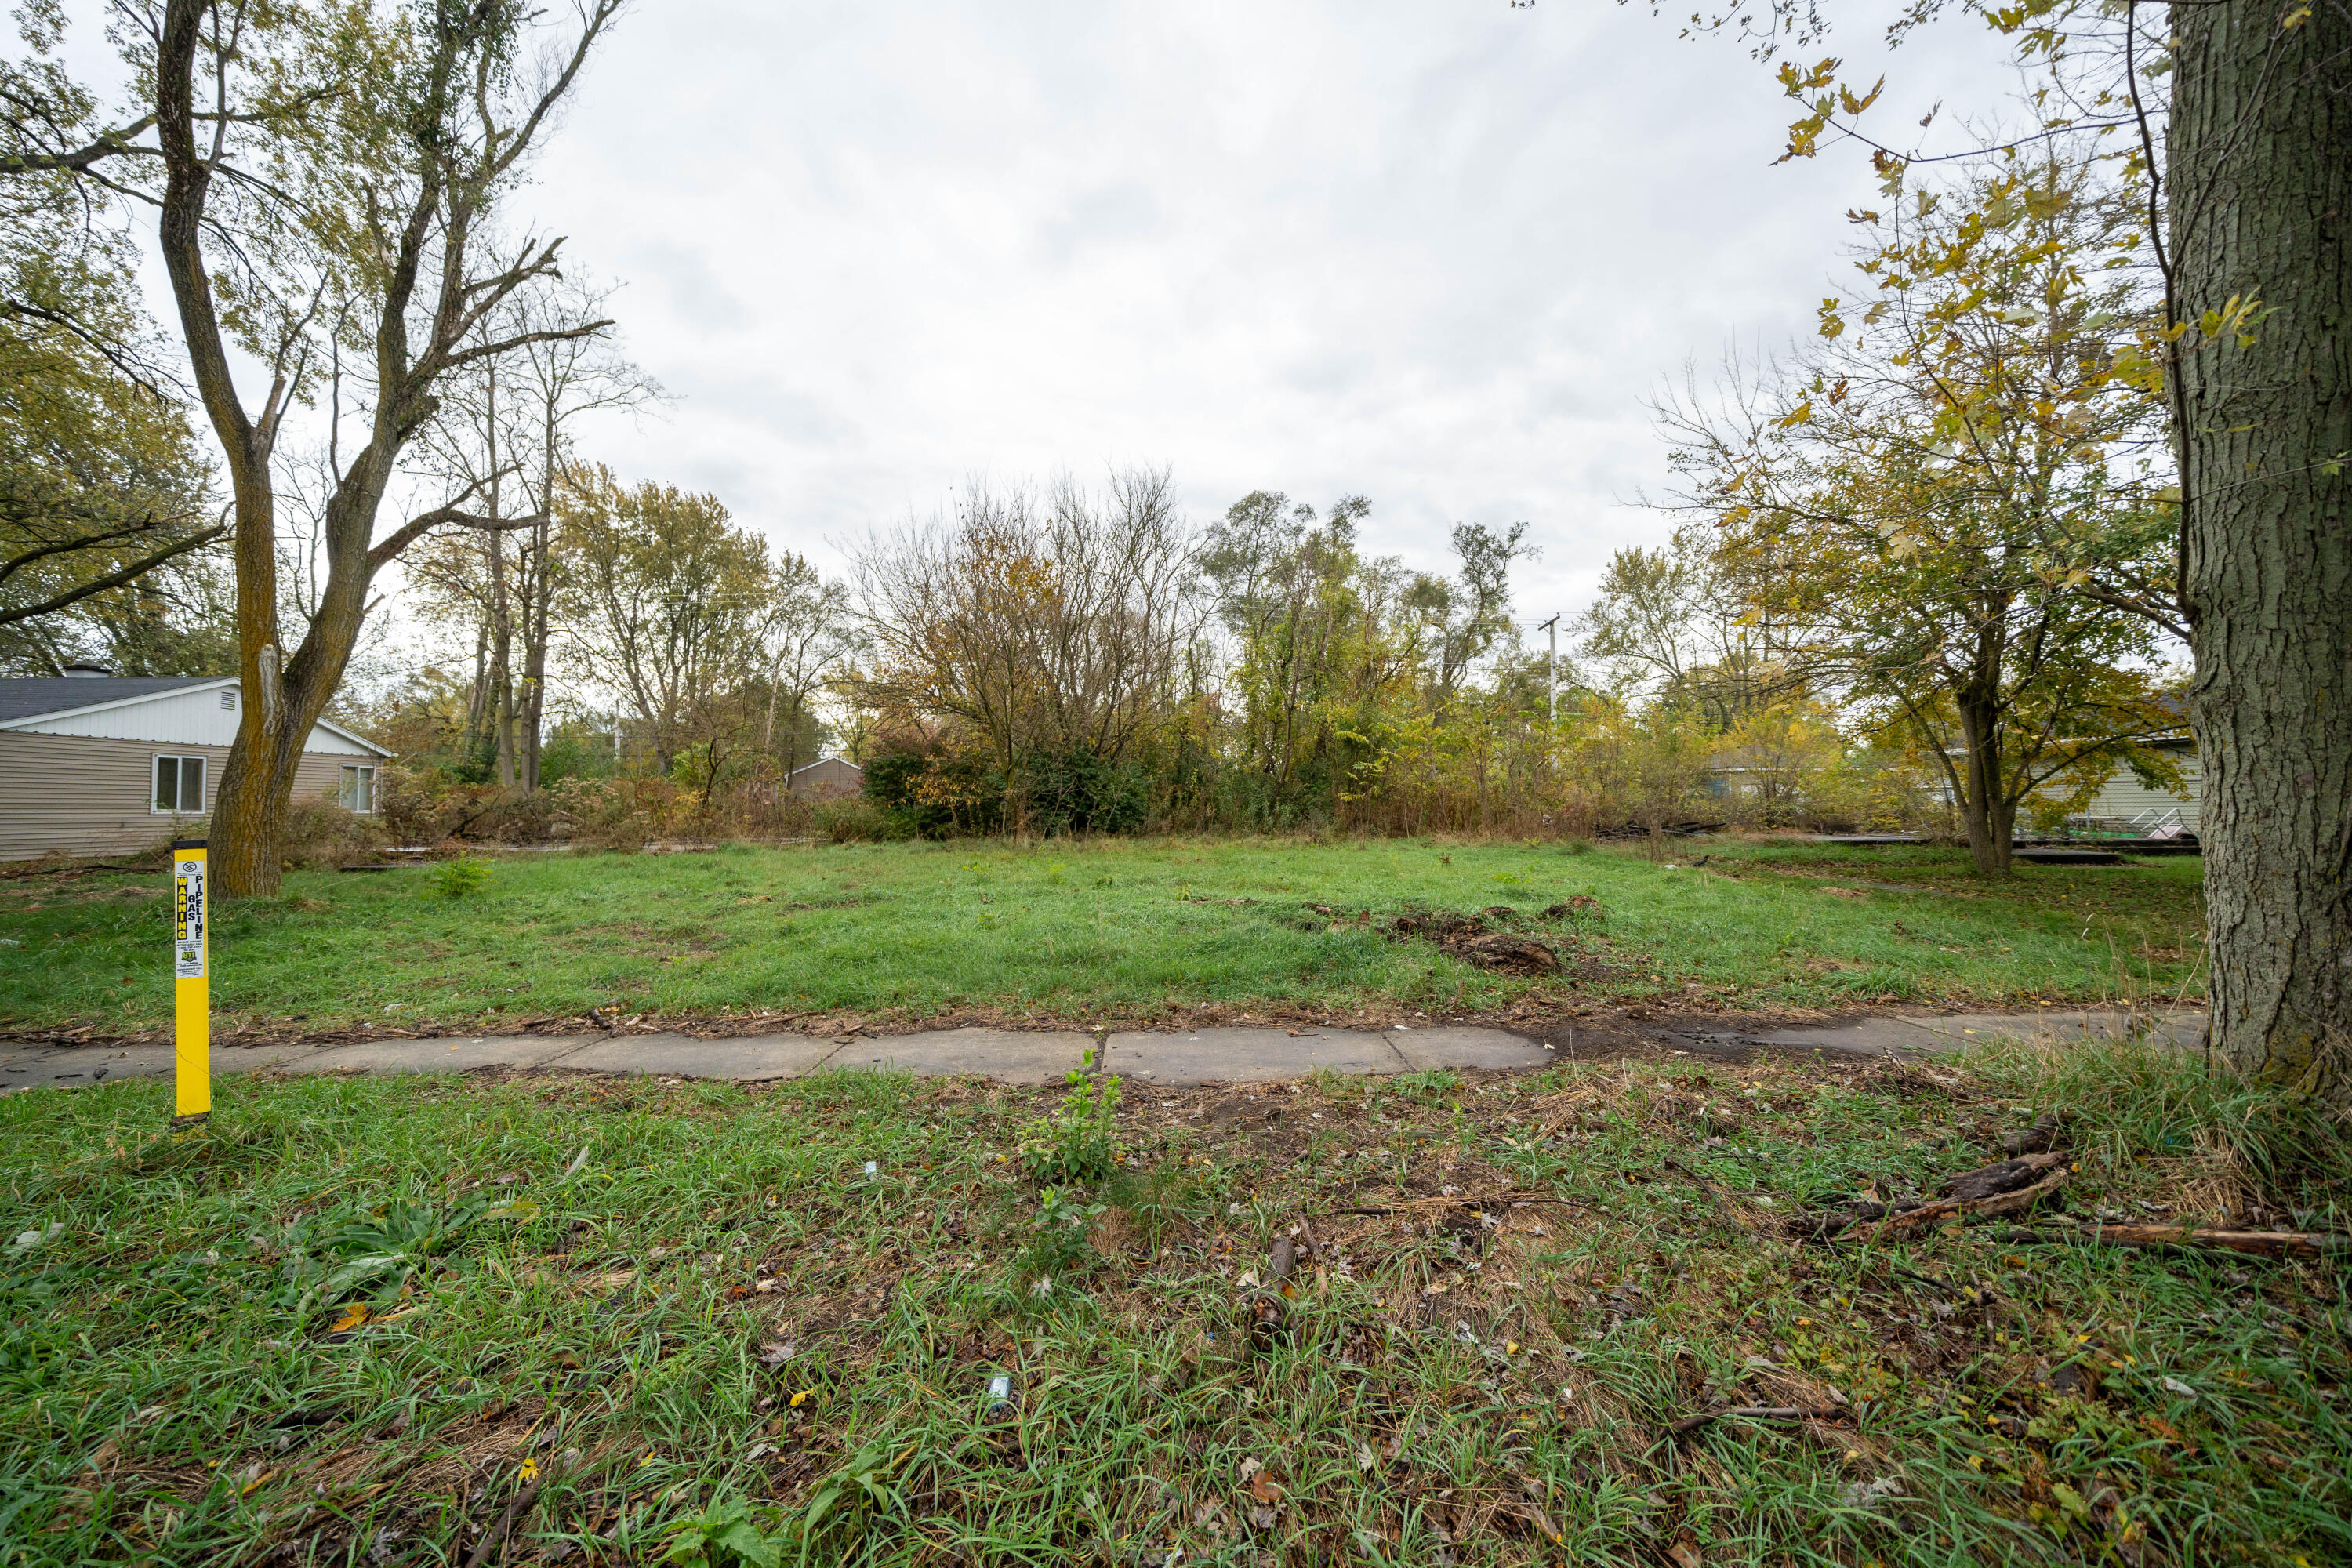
(86, 795)
(2123, 798)
(191, 717)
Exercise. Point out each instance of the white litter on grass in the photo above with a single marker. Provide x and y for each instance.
(2174, 1385)
(27, 1241)
(1868, 1494)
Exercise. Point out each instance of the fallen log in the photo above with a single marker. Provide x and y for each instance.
(2258, 1243)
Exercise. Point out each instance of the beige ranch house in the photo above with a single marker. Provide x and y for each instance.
(94, 763)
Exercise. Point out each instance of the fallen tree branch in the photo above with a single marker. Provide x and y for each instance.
(2000, 1176)
(516, 1512)
(1466, 1201)
(2258, 1243)
(1952, 1208)
(1690, 1424)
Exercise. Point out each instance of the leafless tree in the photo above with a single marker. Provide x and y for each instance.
(1057, 623)
(505, 433)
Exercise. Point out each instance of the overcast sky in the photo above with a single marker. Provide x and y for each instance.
(1434, 253)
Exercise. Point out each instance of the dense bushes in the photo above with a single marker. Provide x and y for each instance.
(1077, 792)
(322, 835)
(938, 793)
(436, 806)
(855, 820)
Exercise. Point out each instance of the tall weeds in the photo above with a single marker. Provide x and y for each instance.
(2246, 1149)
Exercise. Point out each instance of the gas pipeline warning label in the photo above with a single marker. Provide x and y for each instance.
(188, 920)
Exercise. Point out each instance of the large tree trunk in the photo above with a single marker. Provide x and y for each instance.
(1991, 819)
(2261, 206)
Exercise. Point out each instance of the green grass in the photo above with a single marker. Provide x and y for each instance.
(568, 1275)
(912, 931)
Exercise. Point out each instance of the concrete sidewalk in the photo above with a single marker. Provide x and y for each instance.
(1932, 1033)
(1177, 1058)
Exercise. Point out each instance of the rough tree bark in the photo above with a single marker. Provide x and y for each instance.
(2260, 205)
(1991, 814)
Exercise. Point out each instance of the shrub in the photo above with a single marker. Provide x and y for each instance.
(1079, 792)
(461, 878)
(615, 814)
(1062, 1242)
(854, 821)
(937, 794)
(319, 834)
(1079, 1142)
(410, 804)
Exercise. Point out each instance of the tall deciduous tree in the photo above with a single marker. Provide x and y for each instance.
(1053, 625)
(1465, 616)
(811, 638)
(1682, 623)
(2239, 115)
(335, 168)
(1940, 481)
(1324, 643)
(505, 434)
(669, 602)
(564, 374)
(2259, 190)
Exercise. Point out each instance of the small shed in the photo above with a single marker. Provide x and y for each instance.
(93, 764)
(828, 778)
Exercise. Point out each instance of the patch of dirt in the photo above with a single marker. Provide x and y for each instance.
(1504, 953)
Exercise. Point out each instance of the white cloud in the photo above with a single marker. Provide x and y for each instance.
(1434, 253)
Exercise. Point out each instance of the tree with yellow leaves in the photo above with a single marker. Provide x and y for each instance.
(1947, 501)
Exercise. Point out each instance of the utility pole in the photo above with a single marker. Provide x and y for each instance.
(1552, 672)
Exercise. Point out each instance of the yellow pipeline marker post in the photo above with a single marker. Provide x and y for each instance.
(191, 945)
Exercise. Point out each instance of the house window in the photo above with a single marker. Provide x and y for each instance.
(180, 784)
(228, 700)
(358, 792)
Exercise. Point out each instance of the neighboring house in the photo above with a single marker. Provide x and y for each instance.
(827, 779)
(2123, 802)
(92, 763)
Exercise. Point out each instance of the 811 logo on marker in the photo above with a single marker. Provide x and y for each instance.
(188, 920)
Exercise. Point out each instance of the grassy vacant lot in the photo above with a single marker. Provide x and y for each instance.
(1119, 928)
(377, 1322)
